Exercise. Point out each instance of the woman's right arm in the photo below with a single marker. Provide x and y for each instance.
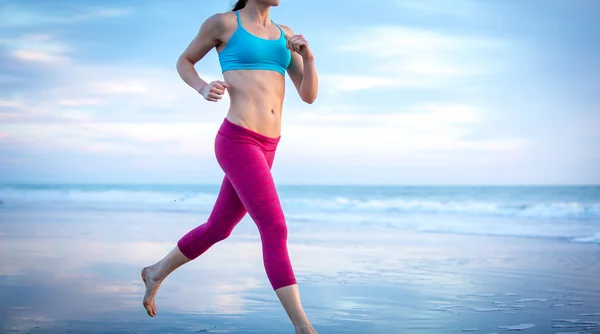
(209, 36)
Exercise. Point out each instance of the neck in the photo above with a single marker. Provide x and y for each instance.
(257, 12)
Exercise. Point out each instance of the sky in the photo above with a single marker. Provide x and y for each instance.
(410, 92)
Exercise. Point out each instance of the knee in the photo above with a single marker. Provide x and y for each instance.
(277, 230)
(220, 234)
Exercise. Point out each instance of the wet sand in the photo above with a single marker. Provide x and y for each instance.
(78, 272)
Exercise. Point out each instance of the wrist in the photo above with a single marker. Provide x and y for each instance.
(199, 87)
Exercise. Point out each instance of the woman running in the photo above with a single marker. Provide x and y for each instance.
(254, 54)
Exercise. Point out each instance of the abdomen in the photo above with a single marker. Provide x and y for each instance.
(256, 100)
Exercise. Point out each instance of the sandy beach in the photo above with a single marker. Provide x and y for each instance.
(78, 272)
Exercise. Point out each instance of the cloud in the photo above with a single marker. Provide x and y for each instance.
(332, 135)
(127, 110)
(37, 55)
(391, 41)
(80, 102)
(423, 132)
(35, 48)
(11, 103)
(398, 56)
(15, 16)
(115, 92)
(114, 139)
(417, 117)
(375, 105)
(427, 65)
(336, 83)
(129, 87)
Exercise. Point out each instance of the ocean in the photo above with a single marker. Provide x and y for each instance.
(569, 213)
(368, 259)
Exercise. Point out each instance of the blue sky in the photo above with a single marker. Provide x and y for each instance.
(411, 92)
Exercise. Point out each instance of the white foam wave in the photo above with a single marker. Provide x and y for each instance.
(590, 239)
(109, 198)
(466, 207)
(392, 206)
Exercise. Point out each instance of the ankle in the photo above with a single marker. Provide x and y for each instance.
(305, 328)
(155, 272)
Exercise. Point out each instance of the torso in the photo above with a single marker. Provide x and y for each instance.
(256, 95)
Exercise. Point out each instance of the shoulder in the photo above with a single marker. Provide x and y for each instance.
(287, 30)
(221, 21)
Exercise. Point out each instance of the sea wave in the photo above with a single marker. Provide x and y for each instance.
(551, 209)
(109, 198)
(590, 239)
(543, 216)
(178, 199)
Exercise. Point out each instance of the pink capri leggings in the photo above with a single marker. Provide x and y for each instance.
(246, 157)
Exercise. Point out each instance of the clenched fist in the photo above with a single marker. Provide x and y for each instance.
(214, 91)
(298, 44)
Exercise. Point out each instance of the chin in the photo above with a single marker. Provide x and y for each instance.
(272, 3)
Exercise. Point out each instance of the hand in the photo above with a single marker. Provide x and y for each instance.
(298, 44)
(213, 91)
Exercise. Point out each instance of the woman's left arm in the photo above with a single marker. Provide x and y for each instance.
(302, 66)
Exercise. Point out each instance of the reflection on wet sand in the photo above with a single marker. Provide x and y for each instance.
(70, 279)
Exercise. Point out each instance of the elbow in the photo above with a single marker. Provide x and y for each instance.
(180, 61)
(309, 101)
(309, 98)
(183, 62)
(178, 65)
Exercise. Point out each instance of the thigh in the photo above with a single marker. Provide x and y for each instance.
(228, 208)
(270, 157)
(249, 170)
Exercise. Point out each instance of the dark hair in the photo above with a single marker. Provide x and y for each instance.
(239, 5)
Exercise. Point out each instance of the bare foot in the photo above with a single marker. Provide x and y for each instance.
(152, 284)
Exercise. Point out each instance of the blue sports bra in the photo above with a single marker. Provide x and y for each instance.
(245, 51)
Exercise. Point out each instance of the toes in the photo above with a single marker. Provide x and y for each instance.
(149, 308)
(151, 311)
